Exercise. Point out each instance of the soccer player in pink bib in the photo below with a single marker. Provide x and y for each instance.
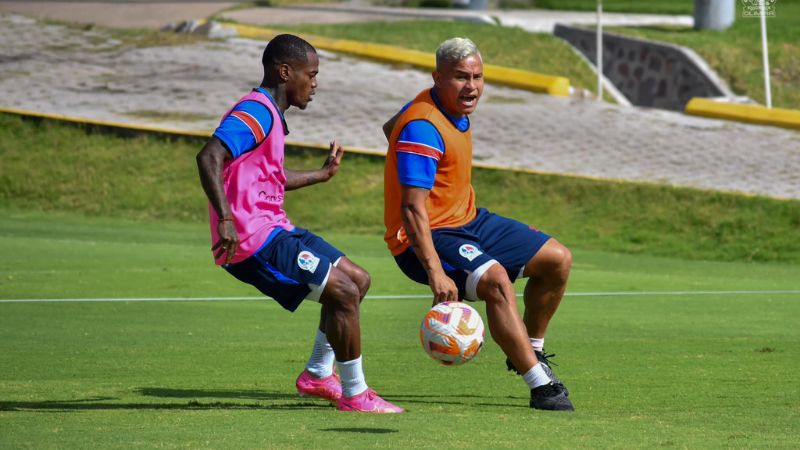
(242, 173)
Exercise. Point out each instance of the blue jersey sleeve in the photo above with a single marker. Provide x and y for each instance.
(245, 127)
(419, 149)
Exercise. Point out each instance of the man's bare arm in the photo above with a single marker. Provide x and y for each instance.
(418, 231)
(210, 162)
(296, 179)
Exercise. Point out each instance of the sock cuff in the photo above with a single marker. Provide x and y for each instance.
(537, 344)
(536, 376)
(352, 362)
(322, 338)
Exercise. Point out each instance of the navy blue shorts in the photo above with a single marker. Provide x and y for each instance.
(466, 252)
(293, 266)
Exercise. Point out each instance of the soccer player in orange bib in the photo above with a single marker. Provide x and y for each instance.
(438, 237)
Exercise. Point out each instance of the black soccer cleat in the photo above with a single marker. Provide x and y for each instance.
(551, 398)
(543, 358)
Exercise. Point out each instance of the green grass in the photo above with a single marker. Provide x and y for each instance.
(736, 53)
(634, 6)
(87, 215)
(695, 371)
(151, 179)
(510, 47)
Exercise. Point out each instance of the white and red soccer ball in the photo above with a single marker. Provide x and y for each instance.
(452, 333)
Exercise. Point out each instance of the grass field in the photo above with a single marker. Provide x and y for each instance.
(657, 351)
(650, 370)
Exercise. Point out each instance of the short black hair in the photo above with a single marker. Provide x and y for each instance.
(286, 49)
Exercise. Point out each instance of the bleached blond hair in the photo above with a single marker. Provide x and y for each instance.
(454, 50)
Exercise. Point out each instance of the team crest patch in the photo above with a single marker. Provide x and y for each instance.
(469, 251)
(307, 261)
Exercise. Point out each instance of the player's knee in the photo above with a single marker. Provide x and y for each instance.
(556, 263)
(357, 274)
(350, 297)
(492, 286)
(563, 262)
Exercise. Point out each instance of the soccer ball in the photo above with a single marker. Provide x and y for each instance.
(452, 333)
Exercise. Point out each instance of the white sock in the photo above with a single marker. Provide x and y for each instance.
(537, 344)
(352, 375)
(536, 376)
(321, 362)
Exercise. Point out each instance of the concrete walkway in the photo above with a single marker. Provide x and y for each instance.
(149, 14)
(52, 68)
(536, 21)
(120, 14)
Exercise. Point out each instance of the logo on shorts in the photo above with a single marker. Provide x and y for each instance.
(307, 261)
(469, 251)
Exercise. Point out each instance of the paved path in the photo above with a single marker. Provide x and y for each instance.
(156, 14)
(537, 20)
(64, 70)
(120, 14)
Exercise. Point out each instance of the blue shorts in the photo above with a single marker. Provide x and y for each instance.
(292, 266)
(467, 252)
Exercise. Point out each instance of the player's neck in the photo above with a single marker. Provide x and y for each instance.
(278, 95)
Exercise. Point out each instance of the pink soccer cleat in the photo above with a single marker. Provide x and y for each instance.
(328, 388)
(368, 401)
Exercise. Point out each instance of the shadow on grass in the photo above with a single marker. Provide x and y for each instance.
(247, 394)
(361, 430)
(454, 399)
(467, 400)
(274, 401)
(245, 400)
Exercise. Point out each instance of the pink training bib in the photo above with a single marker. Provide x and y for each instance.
(254, 185)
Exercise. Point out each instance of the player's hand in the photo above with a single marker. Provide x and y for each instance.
(443, 288)
(334, 160)
(228, 241)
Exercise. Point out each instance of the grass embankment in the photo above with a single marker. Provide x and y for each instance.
(509, 47)
(53, 167)
(635, 6)
(734, 53)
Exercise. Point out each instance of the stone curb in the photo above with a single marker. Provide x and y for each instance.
(522, 79)
(758, 114)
